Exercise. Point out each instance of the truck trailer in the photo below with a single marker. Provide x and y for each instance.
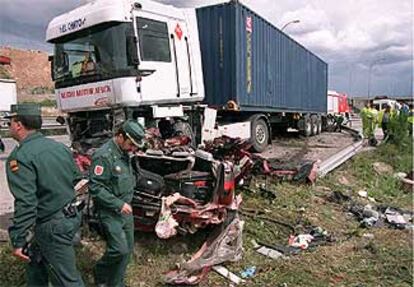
(205, 72)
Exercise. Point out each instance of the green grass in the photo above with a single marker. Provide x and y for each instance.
(43, 102)
(385, 260)
(42, 90)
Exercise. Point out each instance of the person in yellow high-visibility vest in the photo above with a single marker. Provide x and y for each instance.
(369, 121)
(364, 119)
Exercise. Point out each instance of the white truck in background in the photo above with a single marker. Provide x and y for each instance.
(8, 97)
(381, 104)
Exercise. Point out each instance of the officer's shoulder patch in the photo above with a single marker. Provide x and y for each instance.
(98, 170)
(14, 166)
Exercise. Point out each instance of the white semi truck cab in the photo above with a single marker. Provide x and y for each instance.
(119, 58)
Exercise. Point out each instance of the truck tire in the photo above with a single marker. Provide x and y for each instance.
(319, 123)
(184, 128)
(314, 125)
(259, 134)
(306, 126)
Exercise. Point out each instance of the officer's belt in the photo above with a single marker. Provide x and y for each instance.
(68, 210)
(73, 207)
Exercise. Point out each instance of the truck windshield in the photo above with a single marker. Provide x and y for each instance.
(94, 54)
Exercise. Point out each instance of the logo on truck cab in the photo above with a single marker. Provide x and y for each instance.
(72, 25)
(85, 92)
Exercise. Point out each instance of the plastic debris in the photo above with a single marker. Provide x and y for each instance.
(368, 212)
(269, 252)
(300, 241)
(395, 217)
(369, 222)
(248, 272)
(363, 193)
(370, 216)
(223, 271)
(166, 224)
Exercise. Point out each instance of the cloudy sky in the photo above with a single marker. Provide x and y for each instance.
(357, 38)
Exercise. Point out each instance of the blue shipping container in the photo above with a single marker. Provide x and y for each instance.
(248, 60)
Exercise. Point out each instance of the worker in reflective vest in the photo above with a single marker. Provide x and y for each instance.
(369, 121)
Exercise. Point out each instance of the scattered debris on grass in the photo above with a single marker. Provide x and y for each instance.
(225, 244)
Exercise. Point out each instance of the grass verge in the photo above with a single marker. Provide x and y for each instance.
(384, 258)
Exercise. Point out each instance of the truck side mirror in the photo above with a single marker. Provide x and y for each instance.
(132, 52)
(52, 69)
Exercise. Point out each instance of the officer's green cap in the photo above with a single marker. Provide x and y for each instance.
(134, 131)
(26, 109)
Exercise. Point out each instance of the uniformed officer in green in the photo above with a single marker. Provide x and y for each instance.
(111, 185)
(41, 175)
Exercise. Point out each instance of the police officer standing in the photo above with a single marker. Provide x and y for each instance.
(41, 175)
(111, 185)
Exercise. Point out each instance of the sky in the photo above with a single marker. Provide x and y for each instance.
(368, 44)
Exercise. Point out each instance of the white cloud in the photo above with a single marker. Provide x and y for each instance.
(350, 35)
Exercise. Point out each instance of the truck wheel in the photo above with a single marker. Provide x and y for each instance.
(314, 125)
(319, 124)
(260, 134)
(306, 126)
(184, 128)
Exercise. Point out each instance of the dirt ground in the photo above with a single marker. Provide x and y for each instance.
(28, 77)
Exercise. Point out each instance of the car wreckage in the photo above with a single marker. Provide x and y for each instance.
(180, 190)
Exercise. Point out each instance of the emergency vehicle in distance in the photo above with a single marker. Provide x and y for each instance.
(205, 72)
(338, 103)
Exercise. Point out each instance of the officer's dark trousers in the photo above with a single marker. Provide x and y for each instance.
(54, 257)
(119, 232)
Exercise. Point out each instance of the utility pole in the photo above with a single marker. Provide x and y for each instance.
(369, 75)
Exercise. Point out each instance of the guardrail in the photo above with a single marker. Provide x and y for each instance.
(339, 158)
(49, 123)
